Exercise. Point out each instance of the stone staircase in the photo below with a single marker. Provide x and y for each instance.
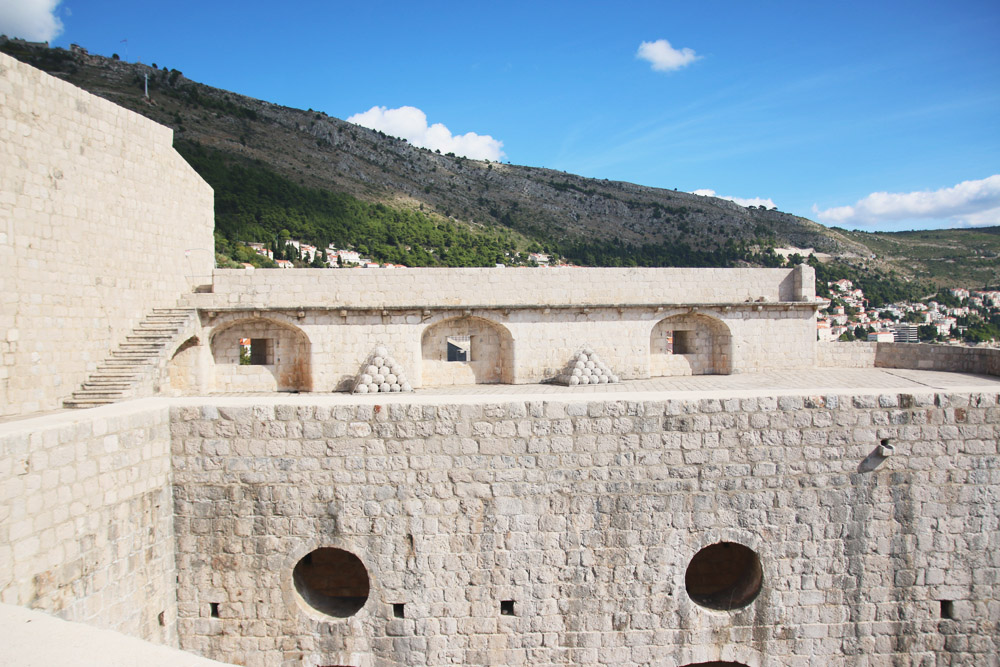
(136, 362)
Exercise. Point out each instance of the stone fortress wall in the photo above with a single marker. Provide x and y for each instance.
(561, 531)
(525, 324)
(847, 528)
(100, 221)
(86, 518)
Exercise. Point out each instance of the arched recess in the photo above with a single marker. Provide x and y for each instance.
(261, 354)
(182, 368)
(690, 344)
(466, 350)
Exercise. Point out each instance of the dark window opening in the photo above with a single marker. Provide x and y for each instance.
(947, 609)
(459, 348)
(724, 576)
(161, 618)
(506, 607)
(398, 610)
(683, 342)
(213, 609)
(332, 581)
(256, 351)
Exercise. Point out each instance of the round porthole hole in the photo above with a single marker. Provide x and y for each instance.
(724, 576)
(332, 581)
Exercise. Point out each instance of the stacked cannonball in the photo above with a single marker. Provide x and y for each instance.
(381, 373)
(586, 368)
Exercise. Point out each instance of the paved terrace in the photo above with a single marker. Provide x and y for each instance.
(774, 383)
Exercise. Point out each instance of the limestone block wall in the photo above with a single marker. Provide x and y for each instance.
(837, 354)
(953, 358)
(100, 221)
(86, 518)
(514, 346)
(551, 533)
(502, 287)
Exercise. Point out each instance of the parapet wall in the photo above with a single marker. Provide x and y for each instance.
(561, 532)
(951, 358)
(87, 518)
(100, 221)
(512, 287)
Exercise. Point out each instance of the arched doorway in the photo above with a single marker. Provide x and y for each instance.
(690, 344)
(261, 354)
(466, 350)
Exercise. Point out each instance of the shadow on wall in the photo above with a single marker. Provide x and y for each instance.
(690, 345)
(466, 350)
(261, 354)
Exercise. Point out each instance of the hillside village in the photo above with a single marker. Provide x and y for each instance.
(957, 316)
(297, 253)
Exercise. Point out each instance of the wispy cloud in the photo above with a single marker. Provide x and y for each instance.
(410, 123)
(665, 58)
(34, 20)
(970, 203)
(753, 201)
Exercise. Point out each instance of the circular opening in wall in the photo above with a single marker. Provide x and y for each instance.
(332, 581)
(724, 576)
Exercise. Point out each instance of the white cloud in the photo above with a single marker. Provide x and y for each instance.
(665, 58)
(970, 203)
(755, 201)
(410, 123)
(33, 20)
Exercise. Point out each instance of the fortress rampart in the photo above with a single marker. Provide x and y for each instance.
(768, 512)
(100, 221)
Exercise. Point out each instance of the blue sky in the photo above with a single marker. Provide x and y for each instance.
(867, 115)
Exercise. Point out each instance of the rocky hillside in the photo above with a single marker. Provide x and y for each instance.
(576, 216)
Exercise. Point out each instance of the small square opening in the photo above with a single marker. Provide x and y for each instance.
(399, 610)
(459, 348)
(947, 609)
(213, 609)
(256, 351)
(683, 342)
(506, 607)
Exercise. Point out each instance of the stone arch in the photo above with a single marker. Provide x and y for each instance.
(278, 358)
(466, 350)
(690, 344)
(182, 368)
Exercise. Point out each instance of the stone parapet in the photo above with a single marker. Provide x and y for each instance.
(86, 518)
(952, 358)
(509, 287)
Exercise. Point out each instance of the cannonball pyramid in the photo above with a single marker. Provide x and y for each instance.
(380, 373)
(585, 367)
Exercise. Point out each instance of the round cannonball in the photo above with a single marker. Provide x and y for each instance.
(381, 351)
(591, 364)
(615, 378)
(366, 378)
(574, 380)
(587, 351)
(405, 387)
(394, 386)
(361, 389)
(583, 357)
(378, 378)
(379, 360)
(603, 379)
(396, 369)
(577, 372)
(390, 378)
(385, 386)
(371, 369)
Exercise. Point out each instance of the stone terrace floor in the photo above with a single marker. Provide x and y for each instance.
(772, 383)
